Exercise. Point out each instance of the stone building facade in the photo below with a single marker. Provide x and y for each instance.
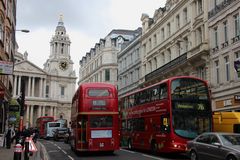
(175, 41)
(48, 91)
(129, 66)
(7, 49)
(100, 63)
(224, 42)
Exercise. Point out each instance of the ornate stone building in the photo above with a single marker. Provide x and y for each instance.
(48, 91)
(224, 42)
(100, 63)
(129, 65)
(175, 41)
(7, 49)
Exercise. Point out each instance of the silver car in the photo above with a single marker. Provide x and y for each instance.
(215, 146)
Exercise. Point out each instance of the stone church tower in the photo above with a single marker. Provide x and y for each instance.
(48, 91)
(61, 76)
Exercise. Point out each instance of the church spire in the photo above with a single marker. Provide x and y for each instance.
(60, 22)
(60, 29)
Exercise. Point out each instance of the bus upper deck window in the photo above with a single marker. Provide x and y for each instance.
(98, 92)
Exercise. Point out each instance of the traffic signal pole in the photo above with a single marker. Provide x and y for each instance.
(22, 98)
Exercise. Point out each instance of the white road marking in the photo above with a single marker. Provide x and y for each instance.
(59, 147)
(70, 157)
(153, 157)
(64, 151)
(53, 151)
(127, 150)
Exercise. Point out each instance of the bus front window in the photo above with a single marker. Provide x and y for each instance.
(189, 126)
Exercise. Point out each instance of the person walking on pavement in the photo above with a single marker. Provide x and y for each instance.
(10, 134)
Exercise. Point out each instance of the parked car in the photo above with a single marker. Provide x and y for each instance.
(59, 133)
(215, 146)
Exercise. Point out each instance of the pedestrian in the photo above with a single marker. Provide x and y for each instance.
(9, 135)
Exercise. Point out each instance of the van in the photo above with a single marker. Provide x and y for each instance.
(50, 127)
(226, 122)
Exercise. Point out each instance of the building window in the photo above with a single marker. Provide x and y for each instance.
(169, 29)
(178, 49)
(144, 49)
(215, 37)
(217, 71)
(227, 67)
(178, 21)
(150, 44)
(237, 25)
(185, 39)
(163, 58)
(199, 6)
(201, 72)
(107, 74)
(62, 91)
(185, 15)
(150, 66)
(237, 58)
(163, 35)
(1, 29)
(155, 62)
(225, 28)
(199, 35)
(155, 40)
(47, 91)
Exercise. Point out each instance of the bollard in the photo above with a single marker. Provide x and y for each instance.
(17, 152)
(26, 153)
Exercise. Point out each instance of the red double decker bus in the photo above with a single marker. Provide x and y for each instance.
(164, 116)
(41, 121)
(94, 119)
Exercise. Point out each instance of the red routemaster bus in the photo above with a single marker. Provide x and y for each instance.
(164, 116)
(94, 119)
(41, 121)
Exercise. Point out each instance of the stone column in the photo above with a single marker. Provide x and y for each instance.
(19, 84)
(55, 112)
(15, 86)
(43, 111)
(39, 111)
(51, 110)
(29, 86)
(44, 88)
(33, 86)
(31, 115)
(40, 90)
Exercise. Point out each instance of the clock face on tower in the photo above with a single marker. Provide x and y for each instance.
(63, 65)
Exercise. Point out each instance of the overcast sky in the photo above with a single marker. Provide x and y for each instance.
(86, 21)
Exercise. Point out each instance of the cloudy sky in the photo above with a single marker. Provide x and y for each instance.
(86, 21)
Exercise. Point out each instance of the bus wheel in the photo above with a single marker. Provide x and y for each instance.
(154, 147)
(129, 144)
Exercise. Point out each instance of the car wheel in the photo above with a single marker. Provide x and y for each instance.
(129, 144)
(231, 158)
(193, 155)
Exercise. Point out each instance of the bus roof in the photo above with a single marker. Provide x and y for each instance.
(162, 81)
(95, 84)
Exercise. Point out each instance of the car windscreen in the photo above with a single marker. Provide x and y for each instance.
(230, 139)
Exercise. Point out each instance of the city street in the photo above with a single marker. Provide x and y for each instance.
(61, 151)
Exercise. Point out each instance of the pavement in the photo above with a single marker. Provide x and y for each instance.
(8, 154)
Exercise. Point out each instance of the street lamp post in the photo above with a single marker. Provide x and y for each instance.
(21, 99)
